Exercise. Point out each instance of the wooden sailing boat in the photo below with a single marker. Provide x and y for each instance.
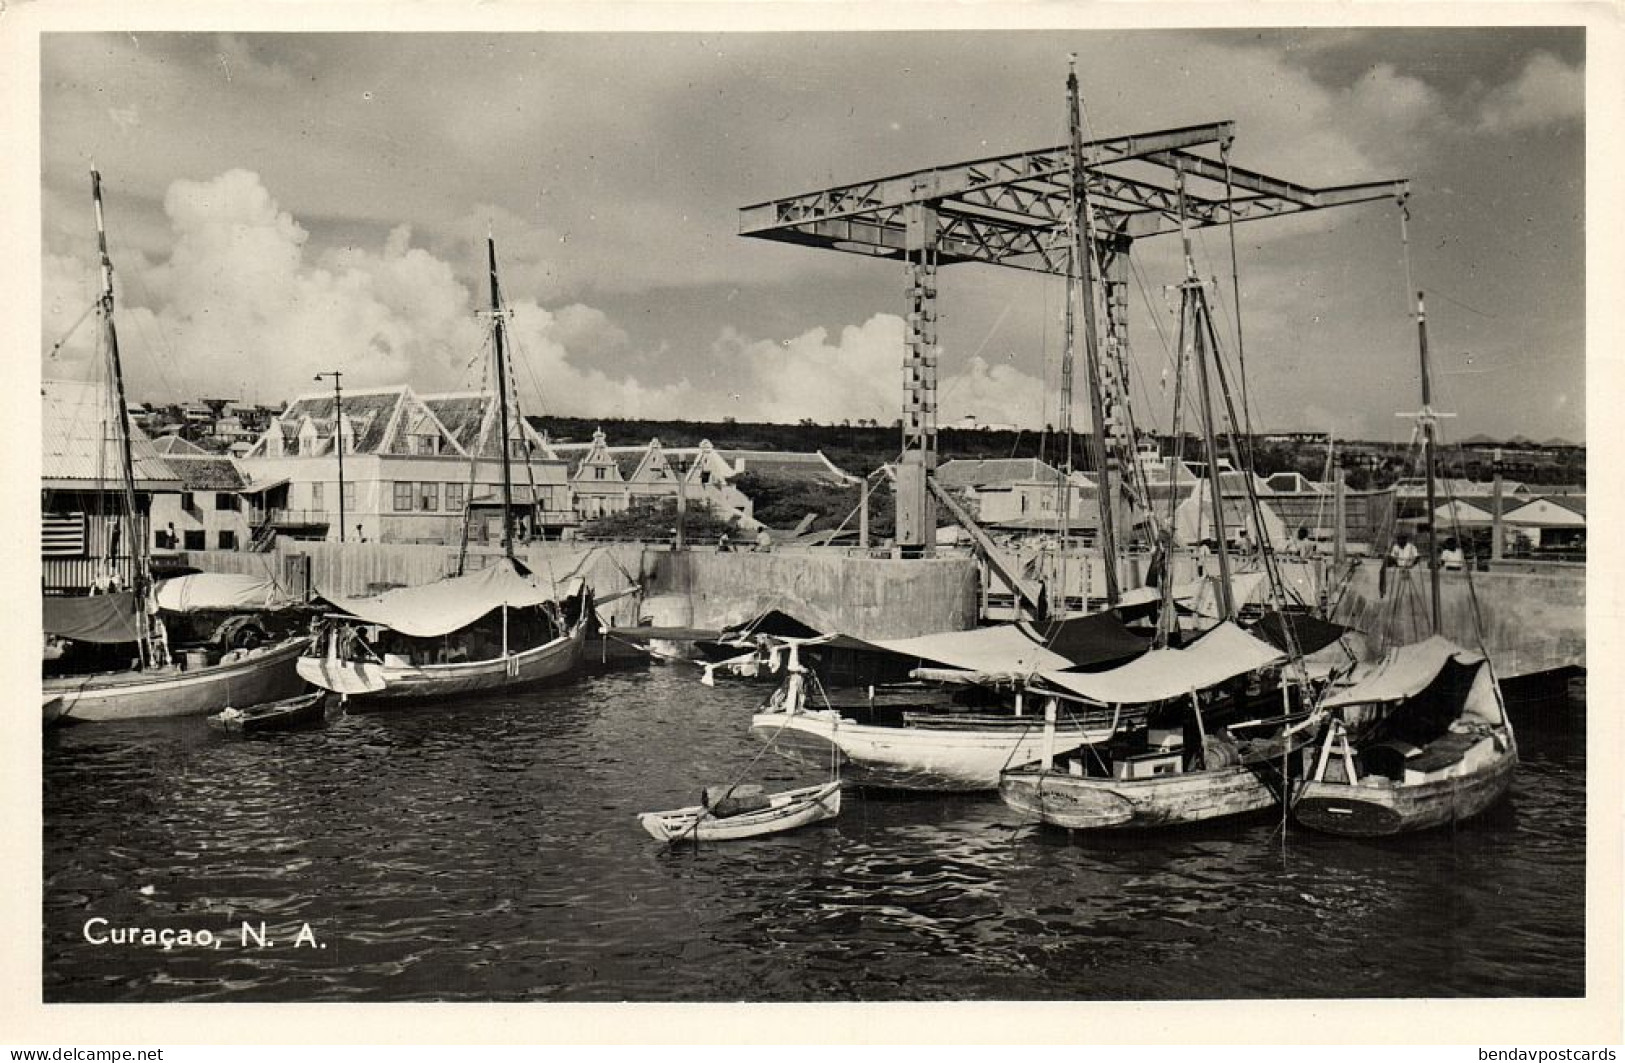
(494, 629)
(955, 735)
(1441, 749)
(155, 686)
(1196, 732)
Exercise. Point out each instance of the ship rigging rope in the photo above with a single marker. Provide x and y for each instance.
(80, 320)
(1235, 287)
(1277, 589)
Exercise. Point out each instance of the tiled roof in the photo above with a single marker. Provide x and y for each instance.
(207, 473)
(369, 414)
(463, 415)
(77, 452)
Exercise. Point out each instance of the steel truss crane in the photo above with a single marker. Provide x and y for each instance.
(1019, 211)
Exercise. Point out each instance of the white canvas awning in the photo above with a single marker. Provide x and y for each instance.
(1223, 653)
(221, 590)
(1001, 650)
(454, 602)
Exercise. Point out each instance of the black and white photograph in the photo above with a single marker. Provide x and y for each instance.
(728, 509)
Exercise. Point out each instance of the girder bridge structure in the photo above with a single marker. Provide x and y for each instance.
(1025, 211)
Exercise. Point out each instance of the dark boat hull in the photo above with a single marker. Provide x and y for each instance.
(1366, 811)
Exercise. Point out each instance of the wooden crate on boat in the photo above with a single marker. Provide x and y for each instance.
(1146, 766)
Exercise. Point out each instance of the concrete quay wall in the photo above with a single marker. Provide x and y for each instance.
(862, 596)
(1532, 619)
(363, 568)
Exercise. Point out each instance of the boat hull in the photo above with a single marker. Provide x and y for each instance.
(909, 758)
(1084, 803)
(1366, 811)
(788, 810)
(268, 674)
(302, 711)
(369, 685)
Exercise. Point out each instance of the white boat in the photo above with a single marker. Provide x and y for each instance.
(399, 645)
(774, 813)
(930, 751)
(241, 677)
(927, 746)
(472, 633)
(155, 685)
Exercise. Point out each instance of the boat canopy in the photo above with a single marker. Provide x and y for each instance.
(455, 602)
(221, 590)
(1223, 653)
(1405, 672)
(1000, 650)
(98, 618)
(1310, 633)
(773, 622)
(1091, 640)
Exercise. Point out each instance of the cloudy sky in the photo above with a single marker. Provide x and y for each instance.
(281, 204)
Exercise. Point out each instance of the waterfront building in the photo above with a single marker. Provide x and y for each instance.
(1019, 493)
(82, 493)
(612, 479)
(209, 511)
(413, 464)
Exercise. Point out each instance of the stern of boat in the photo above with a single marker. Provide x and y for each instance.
(342, 677)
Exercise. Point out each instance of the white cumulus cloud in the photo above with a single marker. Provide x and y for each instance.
(1547, 91)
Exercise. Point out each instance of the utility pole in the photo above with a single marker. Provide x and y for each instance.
(338, 435)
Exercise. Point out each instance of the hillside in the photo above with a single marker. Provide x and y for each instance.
(861, 448)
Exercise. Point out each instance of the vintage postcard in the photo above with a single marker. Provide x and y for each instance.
(1078, 509)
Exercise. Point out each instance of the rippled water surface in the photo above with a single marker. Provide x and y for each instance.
(488, 851)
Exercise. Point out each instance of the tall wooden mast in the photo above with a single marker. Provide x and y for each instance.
(135, 541)
(499, 336)
(1083, 256)
(1429, 442)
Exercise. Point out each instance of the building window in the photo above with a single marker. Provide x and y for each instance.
(228, 540)
(349, 496)
(225, 503)
(600, 474)
(403, 496)
(454, 498)
(188, 501)
(426, 444)
(195, 539)
(428, 497)
(316, 501)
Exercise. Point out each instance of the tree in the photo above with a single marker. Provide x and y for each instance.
(701, 523)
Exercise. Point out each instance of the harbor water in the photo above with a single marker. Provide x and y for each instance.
(489, 851)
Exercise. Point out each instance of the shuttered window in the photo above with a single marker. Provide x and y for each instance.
(62, 534)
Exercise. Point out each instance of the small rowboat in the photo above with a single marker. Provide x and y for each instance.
(274, 715)
(775, 812)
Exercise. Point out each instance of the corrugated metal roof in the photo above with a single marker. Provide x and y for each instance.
(173, 446)
(967, 472)
(79, 445)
